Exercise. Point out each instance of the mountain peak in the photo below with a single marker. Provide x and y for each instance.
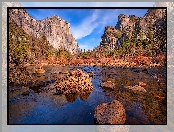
(54, 28)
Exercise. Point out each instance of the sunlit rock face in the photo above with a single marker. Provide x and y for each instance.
(137, 26)
(54, 28)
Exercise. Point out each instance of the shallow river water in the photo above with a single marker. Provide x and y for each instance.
(45, 107)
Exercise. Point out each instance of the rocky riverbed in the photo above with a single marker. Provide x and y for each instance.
(141, 91)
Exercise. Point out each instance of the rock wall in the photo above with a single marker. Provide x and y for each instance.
(56, 30)
(131, 25)
(110, 38)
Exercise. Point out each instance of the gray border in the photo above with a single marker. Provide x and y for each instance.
(89, 1)
(167, 128)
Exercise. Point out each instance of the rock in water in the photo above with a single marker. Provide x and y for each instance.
(110, 113)
(26, 93)
(137, 88)
(107, 84)
(142, 84)
(38, 70)
(75, 82)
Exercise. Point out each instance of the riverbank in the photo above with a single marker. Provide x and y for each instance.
(140, 61)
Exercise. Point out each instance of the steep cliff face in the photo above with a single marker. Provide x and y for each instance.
(110, 37)
(129, 26)
(126, 23)
(56, 30)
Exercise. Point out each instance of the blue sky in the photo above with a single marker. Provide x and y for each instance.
(87, 25)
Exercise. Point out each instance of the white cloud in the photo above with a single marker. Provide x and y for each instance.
(108, 18)
(86, 27)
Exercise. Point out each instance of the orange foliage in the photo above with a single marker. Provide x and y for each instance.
(105, 61)
(76, 62)
(138, 59)
(142, 60)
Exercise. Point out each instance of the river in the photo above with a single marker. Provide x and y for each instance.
(45, 107)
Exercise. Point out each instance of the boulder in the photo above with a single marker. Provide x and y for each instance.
(26, 93)
(110, 113)
(136, 88)
(108, 84)
(38, 70)
(74, 82)
(19, 75)
(142, 84)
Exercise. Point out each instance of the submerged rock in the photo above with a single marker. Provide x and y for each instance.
(37, 84)
(108, 84)
(142, 84)
(136, 88)
(38, 70)
(19, 75)
(110, 113)
(26, 93)
(74, 82)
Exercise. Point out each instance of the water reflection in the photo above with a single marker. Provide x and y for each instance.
(141, 108)
(71, 97)
(149, 107)
(83, 96)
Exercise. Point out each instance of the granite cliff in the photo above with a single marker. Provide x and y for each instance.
(153, 21)
(56, 30)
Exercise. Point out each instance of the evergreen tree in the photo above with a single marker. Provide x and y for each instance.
(123, 47)
(134, 37)
(140, 30)
(150, 34)
(150, 45)
(128, 44)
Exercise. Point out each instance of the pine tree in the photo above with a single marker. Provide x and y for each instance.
(123, 47)
(134, 37)
(150, 34)
(150, 46)
(140, 30)
(128, 44)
